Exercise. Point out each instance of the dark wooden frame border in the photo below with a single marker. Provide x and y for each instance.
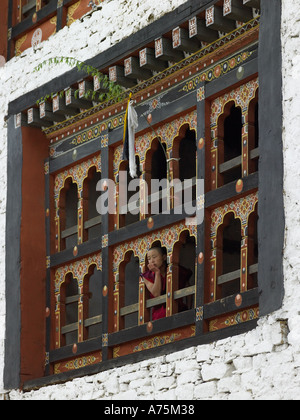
(271, 210)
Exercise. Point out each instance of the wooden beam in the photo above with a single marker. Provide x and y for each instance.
(21, 120)
(98, 86)
(116, 74)
(164, 50)
(87, 90)
(149, 61)
(73, 102)
(215, 20)
(133, 70)
(199, 30)
(234, 10)
(183, 42)
(59, 107)
(92, 321)
(33, 119)
(227, 304)
(95, 221)
(230, 164)
(46, 113)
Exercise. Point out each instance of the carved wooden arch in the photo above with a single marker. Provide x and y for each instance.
(79, 270)
(77, 174)
(166, 132)
(125, 261)
(155, 144)
(168, 237)
(181, 134)
(225, 113)
(174, 164)
(60, 210)
(241, 96)
(242, 209)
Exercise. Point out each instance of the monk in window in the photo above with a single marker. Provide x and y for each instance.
(155, 279)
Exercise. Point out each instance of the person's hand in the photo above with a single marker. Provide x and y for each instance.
(153, 267)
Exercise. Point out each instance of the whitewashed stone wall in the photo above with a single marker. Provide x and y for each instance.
(262, 364)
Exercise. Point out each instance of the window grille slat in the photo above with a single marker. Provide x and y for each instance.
(156, 301)
(69, 232)
(93, 321)
(69, 328)
(233, 275)
(230, 164)
(130, 309)
(225, 278)
(95, 221)
(72, 299)
(187, 291)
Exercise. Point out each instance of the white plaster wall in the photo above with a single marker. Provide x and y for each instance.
(262, 364)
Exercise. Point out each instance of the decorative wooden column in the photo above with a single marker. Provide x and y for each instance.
(38, 5)
(213, 270)
(19, 15)
(59, 307)
(169, 286)
(143, 193)
(245, 143)
(244, 264)
(57, 225)
(81, 302)
(80, 219)
(116, 216)
(217, 147)
(116, 305)
(144, 313)
(57, 320)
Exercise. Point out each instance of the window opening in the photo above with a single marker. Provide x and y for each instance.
(187, 155)
(28, 7)
(68, 210)
(158, 171)
(186, 273)
(232, 143)
(69, 310)
(229, 257)
(92, 219)
(156, 306)
(132, 214)
(93, 304)
(187, 162)
(129, 291)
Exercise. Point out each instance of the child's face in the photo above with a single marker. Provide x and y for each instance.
(155, 258)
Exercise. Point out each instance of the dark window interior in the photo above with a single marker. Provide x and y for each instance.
(233, 142)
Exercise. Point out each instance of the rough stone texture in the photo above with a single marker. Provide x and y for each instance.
(262, 364)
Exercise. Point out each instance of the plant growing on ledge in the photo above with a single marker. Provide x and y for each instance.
(109, 90)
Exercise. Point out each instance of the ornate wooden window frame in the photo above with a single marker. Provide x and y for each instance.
(271, 213)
